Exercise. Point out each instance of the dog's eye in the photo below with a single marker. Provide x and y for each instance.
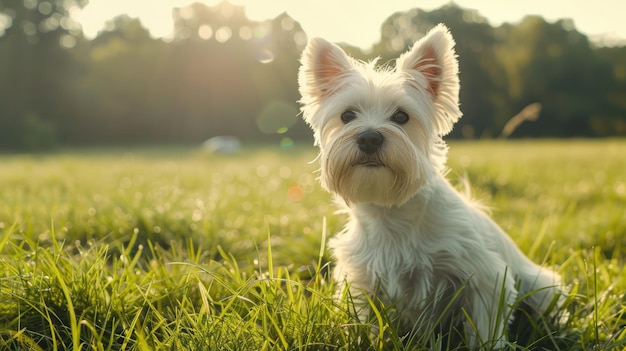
(348, 116)
(400, 117)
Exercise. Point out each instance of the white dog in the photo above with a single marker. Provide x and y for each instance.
(412, 239)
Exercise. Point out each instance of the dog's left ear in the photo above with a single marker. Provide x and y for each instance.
(433, 65)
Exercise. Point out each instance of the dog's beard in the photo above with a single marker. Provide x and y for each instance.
(387, 177)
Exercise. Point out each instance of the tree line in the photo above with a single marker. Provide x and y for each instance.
(223, 74)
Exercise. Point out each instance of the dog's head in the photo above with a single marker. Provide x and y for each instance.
(379, 129)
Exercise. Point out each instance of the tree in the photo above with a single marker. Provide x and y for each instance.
(35, 66)
(554, 65)
(121, 93)
(611, 119)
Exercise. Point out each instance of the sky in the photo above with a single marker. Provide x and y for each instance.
(357, 22)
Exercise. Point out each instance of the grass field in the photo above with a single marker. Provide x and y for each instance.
(174, 249)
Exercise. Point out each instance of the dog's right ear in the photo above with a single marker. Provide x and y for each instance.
(323, 65)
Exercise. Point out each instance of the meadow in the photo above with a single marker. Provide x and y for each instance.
(177, 249)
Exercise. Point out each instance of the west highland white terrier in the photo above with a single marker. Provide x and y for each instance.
(412, 239)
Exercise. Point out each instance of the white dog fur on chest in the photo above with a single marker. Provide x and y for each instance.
(410, 233)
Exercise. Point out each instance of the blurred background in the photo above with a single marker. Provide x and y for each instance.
(79, 73)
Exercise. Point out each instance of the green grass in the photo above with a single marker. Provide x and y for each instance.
(180, 250)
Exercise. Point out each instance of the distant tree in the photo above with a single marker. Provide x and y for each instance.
(231, 68)
(611, 120)
(120, 93)
(554, 65)
(36, 65)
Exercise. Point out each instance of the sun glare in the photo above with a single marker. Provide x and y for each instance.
(316, 20)
(352, 21)
(157, 16)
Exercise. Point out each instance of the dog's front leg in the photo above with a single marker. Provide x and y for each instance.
(490, 311)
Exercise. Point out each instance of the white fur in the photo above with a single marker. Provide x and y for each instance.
(411, 237)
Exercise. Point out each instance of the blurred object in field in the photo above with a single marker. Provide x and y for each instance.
(528, 113)
(222, 145)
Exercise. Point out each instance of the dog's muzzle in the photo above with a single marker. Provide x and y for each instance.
(370, 141)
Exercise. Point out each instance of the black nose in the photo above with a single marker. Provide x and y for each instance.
(369, 141)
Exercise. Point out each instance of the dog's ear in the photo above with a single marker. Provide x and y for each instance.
(433, 65)
(323, 65)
